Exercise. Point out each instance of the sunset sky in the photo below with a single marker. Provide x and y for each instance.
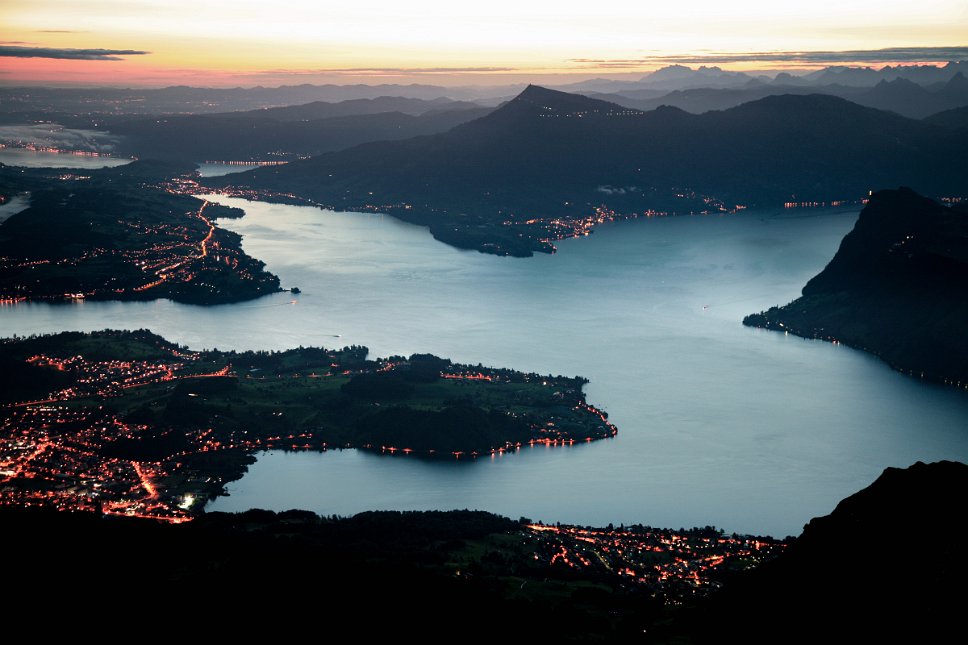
(240, 42)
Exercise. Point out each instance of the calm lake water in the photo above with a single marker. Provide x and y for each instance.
(749, 430)
(31, 159)
(209, 169)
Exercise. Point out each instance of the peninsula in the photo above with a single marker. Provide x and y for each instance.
(131, 424)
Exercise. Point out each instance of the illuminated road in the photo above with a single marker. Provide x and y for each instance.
(165, 273)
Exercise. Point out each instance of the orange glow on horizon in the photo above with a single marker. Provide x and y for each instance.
(243, 43)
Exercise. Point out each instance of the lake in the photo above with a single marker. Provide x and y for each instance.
(35, 159)
(749, 430)
(216, 169)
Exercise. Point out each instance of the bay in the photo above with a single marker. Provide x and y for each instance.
(745, 429)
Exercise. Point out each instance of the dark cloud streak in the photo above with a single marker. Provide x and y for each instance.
(68, 54)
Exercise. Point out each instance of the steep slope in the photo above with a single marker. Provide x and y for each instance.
(897, 287)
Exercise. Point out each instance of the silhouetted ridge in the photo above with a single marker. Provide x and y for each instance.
(900, 236)
(923, 494)
(885, 565)
(909, 96)
(669, 110)
(556, 102)
(536, 103)
(814, 106)
(956, 119)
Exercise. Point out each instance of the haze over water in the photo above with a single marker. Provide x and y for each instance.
(749, 430)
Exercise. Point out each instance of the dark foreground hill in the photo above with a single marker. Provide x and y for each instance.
(886, 564)
(886, 561)
(897, 287)
(291, 574)
(549, 154)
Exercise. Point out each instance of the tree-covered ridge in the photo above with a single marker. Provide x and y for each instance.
(897, 287)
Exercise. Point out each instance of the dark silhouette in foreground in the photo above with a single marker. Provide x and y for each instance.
(886, 562)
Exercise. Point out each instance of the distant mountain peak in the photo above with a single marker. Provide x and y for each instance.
(555, 102)
(682, 71)
(900, 81)
(669, 110)
(533, 91)
(958, 81)
(898, 89)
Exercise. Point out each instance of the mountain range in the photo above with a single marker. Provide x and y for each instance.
(549, 154)
(199, 100)
(682, 77)
(899, 95)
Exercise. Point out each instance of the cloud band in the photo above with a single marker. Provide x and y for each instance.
(67, 54)
(889, 55)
